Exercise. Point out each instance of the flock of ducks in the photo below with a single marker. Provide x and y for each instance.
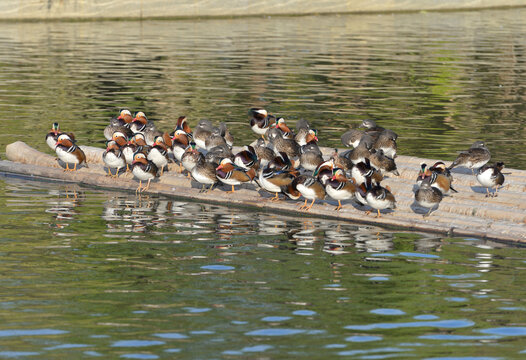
(280, 161)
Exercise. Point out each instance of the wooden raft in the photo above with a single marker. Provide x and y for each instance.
(466, 213)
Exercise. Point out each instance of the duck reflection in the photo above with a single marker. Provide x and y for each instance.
(63, 204)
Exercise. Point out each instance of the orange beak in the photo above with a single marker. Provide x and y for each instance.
(219, 167)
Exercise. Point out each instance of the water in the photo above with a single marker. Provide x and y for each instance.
(87, 273)
(440, 80)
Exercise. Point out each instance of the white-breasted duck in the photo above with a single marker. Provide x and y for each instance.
(475, 157)
(490, 176)
(69, 152)
(144, 170)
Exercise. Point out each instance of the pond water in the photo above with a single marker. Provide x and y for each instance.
(87, 273)
(440, 80)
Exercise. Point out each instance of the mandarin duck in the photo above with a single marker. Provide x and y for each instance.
(490, 176)
(69, 152)
(228, 173)
(113, 158)
(144, 170)
(260, 121)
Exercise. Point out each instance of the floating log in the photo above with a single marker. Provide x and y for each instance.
(466, 213)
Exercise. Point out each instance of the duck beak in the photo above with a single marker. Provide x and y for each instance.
(219, 167)
(316, 138)
(333, 178)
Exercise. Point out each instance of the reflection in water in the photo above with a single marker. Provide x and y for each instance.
(150, 276)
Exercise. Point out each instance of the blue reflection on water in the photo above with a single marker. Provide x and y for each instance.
(11, 354)
(420, 255)
(455, 299)
(139, 356)
(136, 343)
(66, 346)
(439, 324)
(275, 332)
(506, 331)
(171, 336)
(363, 338)
(461, 276)
(379, 278)
(387, 312)
(458, 337)
(304, 312)
(379, 350)
(31, 332)
(425, 317)
(217, 267)
(276, 318)
(196, 310)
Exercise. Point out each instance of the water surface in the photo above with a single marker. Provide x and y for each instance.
(440, 80)
(88, 273)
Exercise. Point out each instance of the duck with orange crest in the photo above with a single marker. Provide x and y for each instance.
(144, 170)
(228, 173)
(339, 187)
(54, 133)
(113, 158)
(119, 123)
(69, 152)
(260, 121)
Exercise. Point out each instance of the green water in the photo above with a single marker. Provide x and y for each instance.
(110, 275)
(86, 273)
(440, 80)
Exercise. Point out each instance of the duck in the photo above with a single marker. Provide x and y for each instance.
(180, 142)
(215, 139)
(202, 131)
(286, 132)
(387, 143)
(229, 139)
(228, 173)
(69, 152)
(371, 128)
(436, 179)
(141, 124)
(119, 123)
(362, 151)
(310, 156)
(306, 136)
(428, 196)
(310, 188)
(324, 171)
(190, 158)
(247, 158)
(113, 158)
(383, 163)
(218, 153)
(182, 124)
(490, 176)
(158, 154)
(341, 161)
(273, 180)
(280, 144)
(144, 170)
(263, 152)
(204, 172)
(380, 198)
(340, 188)
(260, 121)
(363, 170)
(352, 137)
(54, 133)
(475, 157)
